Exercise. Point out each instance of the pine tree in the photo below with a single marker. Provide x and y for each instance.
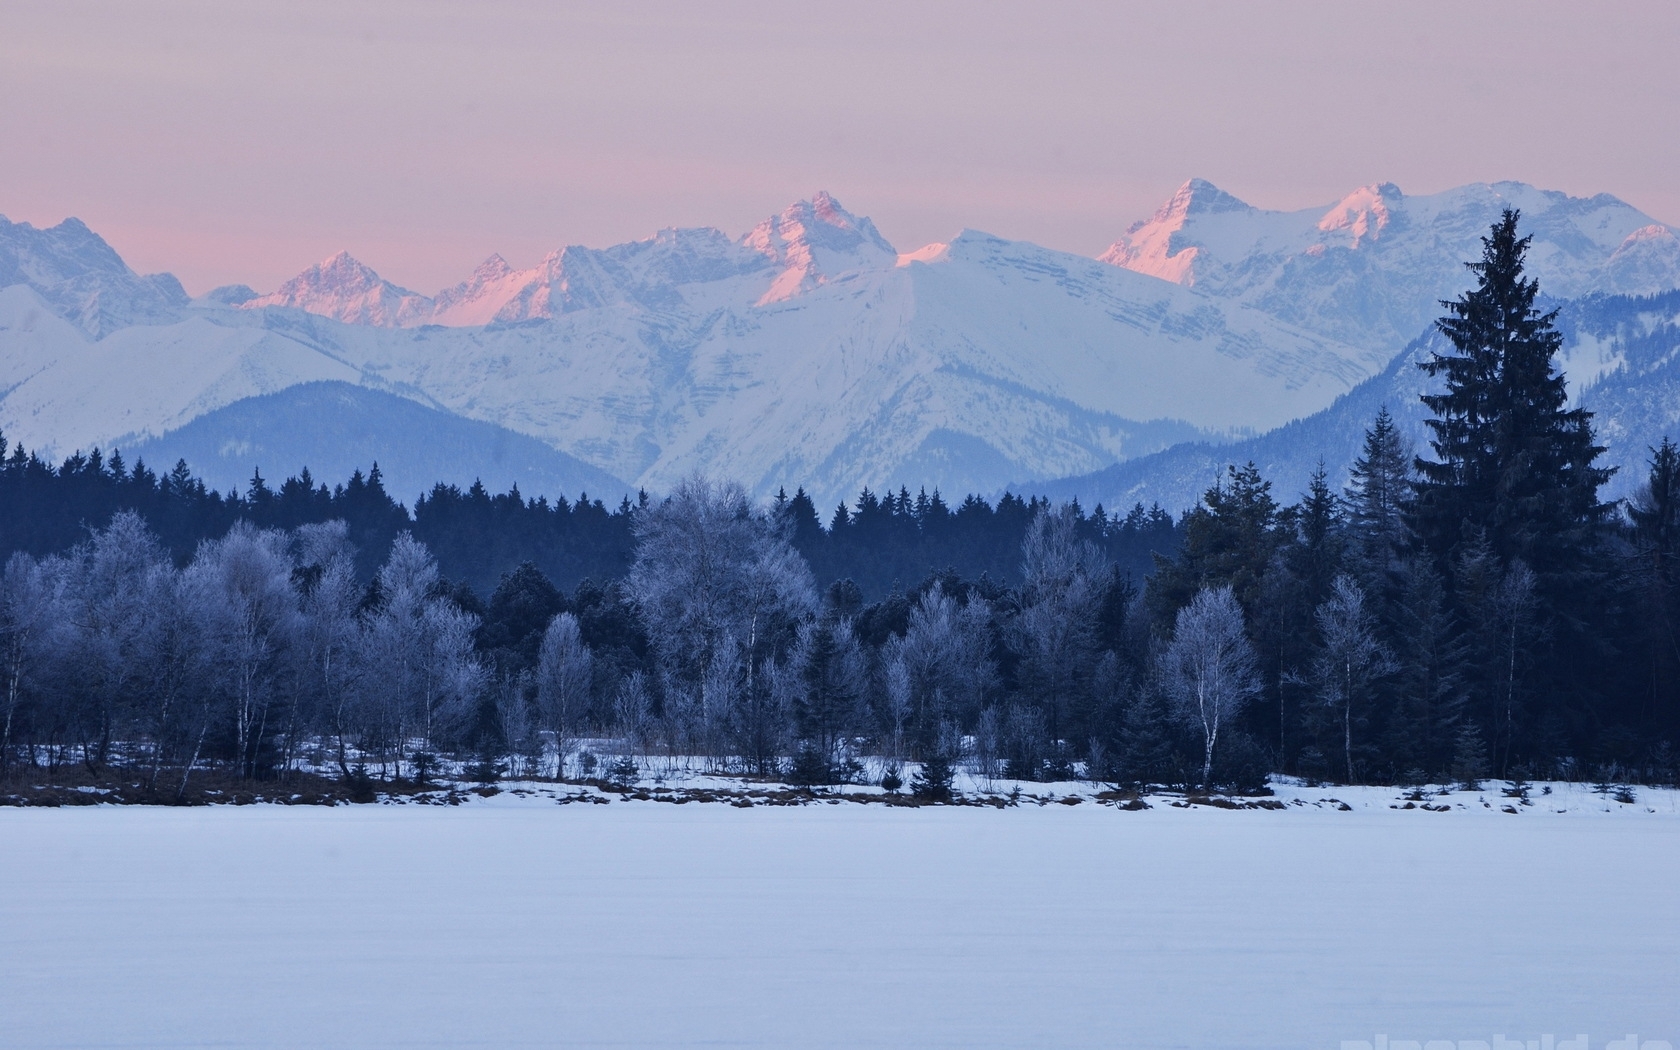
(1229, 540)
(1378, 489)
(1429, 686)
(1469, 763)
(1655, 512)
(932, 782)
(1512, 462)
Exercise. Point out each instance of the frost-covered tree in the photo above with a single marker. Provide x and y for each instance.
(30, 617)
(421, 672)
(116, 586)
(240, 592)
(942, 663)
(565, 671)
(1350, 660)
(1209, 667)
(720, 590)
(328, 644)
(1054, 632)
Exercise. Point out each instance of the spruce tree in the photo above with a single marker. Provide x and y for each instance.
(1229, 539)
(1379, 487)
(1512, 462)
(1655, 572)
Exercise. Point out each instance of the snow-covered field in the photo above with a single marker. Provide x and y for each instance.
(513, 922)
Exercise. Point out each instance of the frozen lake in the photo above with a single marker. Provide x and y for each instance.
(515, 924)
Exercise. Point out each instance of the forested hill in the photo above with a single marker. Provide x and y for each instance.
(882, 543)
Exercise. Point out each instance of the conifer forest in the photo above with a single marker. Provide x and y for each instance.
(1463, 610)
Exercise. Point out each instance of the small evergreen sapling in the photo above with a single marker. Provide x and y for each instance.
(1470, 761)
(932, 782)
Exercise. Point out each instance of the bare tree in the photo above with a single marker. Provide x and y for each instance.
(1350, 660)
(30, 595)
(633, 711)
(1515, 607)
(240, 592)
(113, 590)
(565, 670)
(900, 696)
(1208, 669)
(422, 673)
(718, 585)
(944, 658)
(330, 633)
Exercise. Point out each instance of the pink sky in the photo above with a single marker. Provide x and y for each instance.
(241, 142)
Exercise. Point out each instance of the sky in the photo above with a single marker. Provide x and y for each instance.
(233, 142)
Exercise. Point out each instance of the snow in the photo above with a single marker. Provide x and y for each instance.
(808, 351)
(1369, 269)
(346, 290)
(962, 370)
(513, 922)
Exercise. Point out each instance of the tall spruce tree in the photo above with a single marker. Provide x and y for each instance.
(1513, 463)
(1655, 577)
(1379, 486)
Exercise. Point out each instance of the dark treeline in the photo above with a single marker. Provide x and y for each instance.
(477, 535)
(1476, 611)
(882, 544)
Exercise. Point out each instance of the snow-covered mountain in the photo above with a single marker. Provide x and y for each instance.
(82, 280)
(807, 351)
(352, 427)
(1621, 354)
(804, 247)
(1370, 269)
(346, 290)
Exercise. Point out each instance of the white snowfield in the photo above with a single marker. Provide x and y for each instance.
(514, 922)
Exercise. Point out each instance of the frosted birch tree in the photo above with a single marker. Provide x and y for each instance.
(1350, 660)
(565, 672)
(30, 616)
(1208, 669)
(240, 592)
(719, 587)
(943, 662)
(329, 638)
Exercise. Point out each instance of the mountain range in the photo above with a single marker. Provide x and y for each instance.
(807, 351)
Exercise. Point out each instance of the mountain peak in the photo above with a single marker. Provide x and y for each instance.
(342, 270)
(346, 289)
(492, 268)
(1158, 245)
(1198, 197)
(814, 240)
(1364, 213)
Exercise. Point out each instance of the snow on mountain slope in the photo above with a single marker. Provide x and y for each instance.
(351, 427)
(60, 391)
(1370, 268)
(1621, 355)
(995, 360)
(806, 245)
(82, 279)
(346, 290)
(813, 241)
(478, 299)
(807, 352)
